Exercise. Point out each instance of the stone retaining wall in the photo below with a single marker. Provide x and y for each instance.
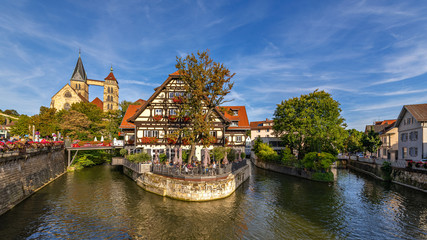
(411, 178)
(22, 175)
(197, 189)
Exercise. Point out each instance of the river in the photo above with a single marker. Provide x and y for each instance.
(102, 203)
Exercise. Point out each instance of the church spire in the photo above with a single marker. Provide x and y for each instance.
(79, 73)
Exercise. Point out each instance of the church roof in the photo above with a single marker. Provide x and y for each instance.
(111, 75)
(79, 73)
(98, 103)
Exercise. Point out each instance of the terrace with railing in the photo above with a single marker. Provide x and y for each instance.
(403, 164)
(17, 148)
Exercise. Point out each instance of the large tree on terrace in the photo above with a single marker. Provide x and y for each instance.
(207, 83)
(310, 123)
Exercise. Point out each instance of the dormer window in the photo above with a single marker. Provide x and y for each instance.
(234, 124)
(235, 112)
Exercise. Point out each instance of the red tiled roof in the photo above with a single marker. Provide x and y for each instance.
(241, 117)
(110, 77)
(129, 113)
(385, 122)
(175, 73)
(254, 125)
(98, 103)
(141, 101)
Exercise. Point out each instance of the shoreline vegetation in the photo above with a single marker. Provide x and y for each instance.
(317, 166)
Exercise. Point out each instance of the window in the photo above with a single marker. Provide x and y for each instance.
(171, 94)
(172, 111)
(67, 94)
(408, 120)
(235, 112)
(268, 130)
(179, 81)
(67, 106)
(158, 111)
(212, 133)
(238, 139)
(259, 130)
(151, 133)
(111, 98)
(384, 152)
(404, 152)
(413, 136)
(404, 137)
(260, 125)
(413, 151)
(234, 124)
(108, 97)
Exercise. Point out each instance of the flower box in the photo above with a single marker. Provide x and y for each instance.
(173, 118)
(171, 140)
(149, 140)
(177, 99)
(157, 117)
(186, 119)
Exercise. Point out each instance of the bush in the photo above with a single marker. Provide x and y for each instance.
(266, 153)
(257, 143)
(231, 154)
(123, 152)
(185, 155)
(218, 153)
(162, 157)
(288, 159)
(318, 161)
(91, 158)
(243, 155)
(139, 157)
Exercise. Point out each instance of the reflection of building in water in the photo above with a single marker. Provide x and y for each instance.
(78, 90)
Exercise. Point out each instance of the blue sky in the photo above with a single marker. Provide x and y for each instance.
(370, 55)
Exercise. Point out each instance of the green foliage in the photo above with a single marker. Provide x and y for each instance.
(76, 125)
(323, 176)
(257, 143)
(91, 158)
(207, 83)
(11, 112)
(386, 170)
(46, 122)
(123, 152)
(288, 159)
(310, 123)
(231, 154)
(139, 157)
(110, 124)
(353, 142)
(318, 161)
(124, 106)
(266, 153)
(371, 141)
(243, 155)
(21, 126)
(185, 155)
(163, 157)
(219, 153)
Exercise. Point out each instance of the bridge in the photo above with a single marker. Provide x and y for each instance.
(89, 147)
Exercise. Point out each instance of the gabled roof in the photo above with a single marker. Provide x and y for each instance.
(111, 77)
(173, 75)
(79, 73)
(141, 101)
(418, 111)
(72, 90)
(241, 117)
(98, 103)
(260, 124)
(129, 113)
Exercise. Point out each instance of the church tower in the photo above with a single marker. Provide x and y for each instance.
(78, 80)
(111, 92)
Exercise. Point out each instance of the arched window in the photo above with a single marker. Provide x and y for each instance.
(108, 98)
(67, 94)
(112, 99)
(67, 106)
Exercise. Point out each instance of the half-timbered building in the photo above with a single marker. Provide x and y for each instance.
(157, 125)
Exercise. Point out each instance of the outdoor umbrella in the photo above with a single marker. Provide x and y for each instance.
(175, 158)
(225, 160)
(95, 139)
(180, 156)
(102, 138)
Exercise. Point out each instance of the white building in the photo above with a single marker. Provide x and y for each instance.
(412, 124)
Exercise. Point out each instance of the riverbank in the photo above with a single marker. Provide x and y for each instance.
(185, 187)
(411, 178)
(24, 174)
(297, 172)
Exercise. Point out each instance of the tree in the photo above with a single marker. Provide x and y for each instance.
(22, 126)
(46, 122)
(207, 83)
(371, 141)
(76, 125)
(111, 123)
(11, 112)
(353, 142)
(310, 123)
(124, 106)
(93, 113)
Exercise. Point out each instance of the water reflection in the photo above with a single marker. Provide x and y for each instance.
(102, 203)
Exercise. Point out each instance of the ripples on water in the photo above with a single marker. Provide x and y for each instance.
(102, 203)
